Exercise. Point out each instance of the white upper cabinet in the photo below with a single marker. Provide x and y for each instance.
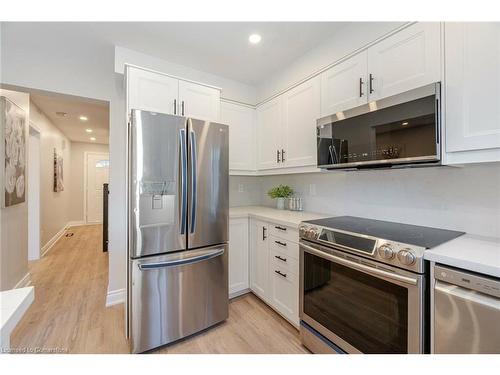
(151, 91)
(242, 130)
(344, 85)
(156, 92)
(301, 109)
(198, 101)
(472, 58)
(270, 134)
(406, 60)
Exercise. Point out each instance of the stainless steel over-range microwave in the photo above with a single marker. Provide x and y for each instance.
(400, 130)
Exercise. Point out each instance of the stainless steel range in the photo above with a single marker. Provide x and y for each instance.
(363, 285)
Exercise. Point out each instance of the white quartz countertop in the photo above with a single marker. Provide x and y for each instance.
(282, 217)
(13, 305)
(469, 252)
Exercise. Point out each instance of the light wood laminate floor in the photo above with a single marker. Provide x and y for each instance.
(69, 313)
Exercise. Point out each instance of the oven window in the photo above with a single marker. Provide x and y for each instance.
(369, 313)
(405, 130)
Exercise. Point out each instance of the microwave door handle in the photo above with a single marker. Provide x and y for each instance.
(360, 267)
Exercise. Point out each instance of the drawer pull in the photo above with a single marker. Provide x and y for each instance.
(280, 228)
(279, 273)
(280, 258)
(280, 243)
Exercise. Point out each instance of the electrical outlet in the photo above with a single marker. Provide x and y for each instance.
(312, 189)
(241, 188)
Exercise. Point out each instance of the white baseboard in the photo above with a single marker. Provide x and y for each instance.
(239, 293)
(115, 297)
(53, 240)
(76, 223)
(24, 282)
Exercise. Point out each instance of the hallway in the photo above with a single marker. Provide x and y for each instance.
(69, 313)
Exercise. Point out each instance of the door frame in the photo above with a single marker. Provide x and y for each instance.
(85, 171)
(33, 222)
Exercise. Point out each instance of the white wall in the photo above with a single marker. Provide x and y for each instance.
(54, 206)
(14, 219)
(78, 149)
(348, 39)
(251, 193)
(465, 198)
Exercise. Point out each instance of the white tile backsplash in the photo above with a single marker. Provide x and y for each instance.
(461, 198)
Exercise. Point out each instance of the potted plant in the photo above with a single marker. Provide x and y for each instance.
(279, 193)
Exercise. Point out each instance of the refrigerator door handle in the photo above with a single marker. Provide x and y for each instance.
(194, 183)
(183, 192)
(183, 261)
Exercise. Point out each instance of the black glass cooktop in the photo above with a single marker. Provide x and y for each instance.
(409, 234)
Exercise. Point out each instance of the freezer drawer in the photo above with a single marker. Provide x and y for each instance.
(176, 295)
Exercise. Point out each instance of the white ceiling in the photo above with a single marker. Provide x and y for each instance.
(97, 113)
(220, 48)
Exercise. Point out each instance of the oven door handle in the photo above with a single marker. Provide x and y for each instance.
(360, 267)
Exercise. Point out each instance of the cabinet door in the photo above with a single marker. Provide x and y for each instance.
(151, 91)
(242, 129)
(301, 109)
(285, 293)
(238, 255)
(259, 259)
(198, 101)
(344, 85)
(472, 86)
(270, 134)
(406, 60)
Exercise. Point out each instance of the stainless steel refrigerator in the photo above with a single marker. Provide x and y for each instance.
(178, 208)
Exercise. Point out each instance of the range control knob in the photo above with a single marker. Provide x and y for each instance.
(406, 257)
(313, 233)
(302, 231)
(386, 252)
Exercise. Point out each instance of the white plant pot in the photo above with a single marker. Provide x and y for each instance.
(280, 203)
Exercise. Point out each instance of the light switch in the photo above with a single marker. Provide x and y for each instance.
(312, 189)
(241, 188)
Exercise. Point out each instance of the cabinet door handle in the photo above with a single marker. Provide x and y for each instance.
(280, 243)
(278, 156)
(280, 258)
(279, 273)
(361, 87)
(175, 106)
(280, 228)
(371, 84)
(264, 233)
(282, 155)
(182, 107)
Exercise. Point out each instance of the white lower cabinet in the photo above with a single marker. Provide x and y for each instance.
(238, 256)
(274, 267)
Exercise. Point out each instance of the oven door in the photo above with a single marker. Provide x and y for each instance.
(361, 305)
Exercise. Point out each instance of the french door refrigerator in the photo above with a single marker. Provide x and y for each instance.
(177, 227)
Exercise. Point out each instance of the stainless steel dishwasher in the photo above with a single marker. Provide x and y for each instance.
(466, 312)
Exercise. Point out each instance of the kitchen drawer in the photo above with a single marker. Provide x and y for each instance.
(285, 293)
(284, 261)
(284, 246)
(284, 232)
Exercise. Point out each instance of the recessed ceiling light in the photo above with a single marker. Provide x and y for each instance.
(88, 130)
(83, 118)
(92, 138)
(254, 38)
(61, 114)
(404, 123)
